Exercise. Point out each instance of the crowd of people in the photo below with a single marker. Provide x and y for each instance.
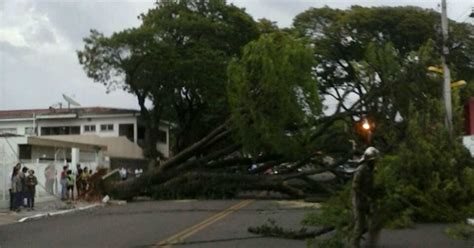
(125, 173)
(24, 182)
(79, 180)
(23, 188)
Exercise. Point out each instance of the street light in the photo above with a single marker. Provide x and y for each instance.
(438, 70)
(365, 128)
(366, 125)
(457, 84)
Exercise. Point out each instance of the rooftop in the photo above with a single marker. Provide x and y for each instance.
(28, 113)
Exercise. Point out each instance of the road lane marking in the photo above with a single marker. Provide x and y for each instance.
(177, 238)
(201, 225)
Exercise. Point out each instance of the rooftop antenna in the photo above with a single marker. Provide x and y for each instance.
(70, 101)
(56, 105)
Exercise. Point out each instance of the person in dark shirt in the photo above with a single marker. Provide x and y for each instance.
(63, 181)
(24, 193)
(15, 190)
(31, 183)
(70, 185)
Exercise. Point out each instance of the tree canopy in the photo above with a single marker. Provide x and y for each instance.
(176, 59)
(380, 56)
(273, 95)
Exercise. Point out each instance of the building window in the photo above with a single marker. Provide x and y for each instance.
(127, 130)
(25, 151)
(64, 130)
(7, 130)
(89, 128)
(107, 127)
(162, 137)
(30, 131)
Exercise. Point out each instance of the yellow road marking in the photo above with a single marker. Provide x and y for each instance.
(177, 238)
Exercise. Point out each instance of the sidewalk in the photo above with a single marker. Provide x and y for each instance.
(43, 209)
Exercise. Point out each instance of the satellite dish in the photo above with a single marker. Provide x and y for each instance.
(70, 101)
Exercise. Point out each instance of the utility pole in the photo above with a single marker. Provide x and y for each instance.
(446, 72)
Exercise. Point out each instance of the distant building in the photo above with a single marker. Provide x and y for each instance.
(469, 117)
(100, 121)
(468, 139)
(90, 137)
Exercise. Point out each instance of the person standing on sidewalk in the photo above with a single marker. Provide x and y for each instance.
(15, 189)
(24, 193)
(70, 185)
(362, 202)
(31, 183)
(85, 178)
(50, 176)
(63, 181)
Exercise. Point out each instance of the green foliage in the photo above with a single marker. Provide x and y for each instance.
(335, 212)
(429, 177)
(460, 231)
(380, 55)
(271, 229)
(273, 96)
(176, 59)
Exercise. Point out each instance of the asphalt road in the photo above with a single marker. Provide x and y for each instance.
(192, 223)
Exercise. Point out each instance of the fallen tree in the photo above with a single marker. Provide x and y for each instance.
(200, 166)
(271, 125)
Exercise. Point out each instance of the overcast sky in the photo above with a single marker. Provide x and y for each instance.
(38, 40)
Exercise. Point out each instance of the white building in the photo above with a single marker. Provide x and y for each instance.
(103, 122)
(92, 137)
(39, 153)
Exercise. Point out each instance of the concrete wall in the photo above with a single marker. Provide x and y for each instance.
(469, 117)
(9, 157)
(468, 141)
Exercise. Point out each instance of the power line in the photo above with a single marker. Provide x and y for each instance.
(465, 12)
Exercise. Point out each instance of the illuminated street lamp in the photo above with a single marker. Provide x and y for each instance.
(366, 125)
(365, 128)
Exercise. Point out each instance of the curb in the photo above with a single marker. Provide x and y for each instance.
(39, 216)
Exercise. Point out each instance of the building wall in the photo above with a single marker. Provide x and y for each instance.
(21, 126)
(468, 142)
(469, 117)
(9, 150)
(164, 147)
(96, 121)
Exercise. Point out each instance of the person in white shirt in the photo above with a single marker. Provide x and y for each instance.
(123, 173)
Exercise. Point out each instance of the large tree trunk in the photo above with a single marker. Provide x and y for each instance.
(131, 188)
(191, 151)
(189, 170)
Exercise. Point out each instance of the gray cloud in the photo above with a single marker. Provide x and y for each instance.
(9, 50)
(75, 19)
